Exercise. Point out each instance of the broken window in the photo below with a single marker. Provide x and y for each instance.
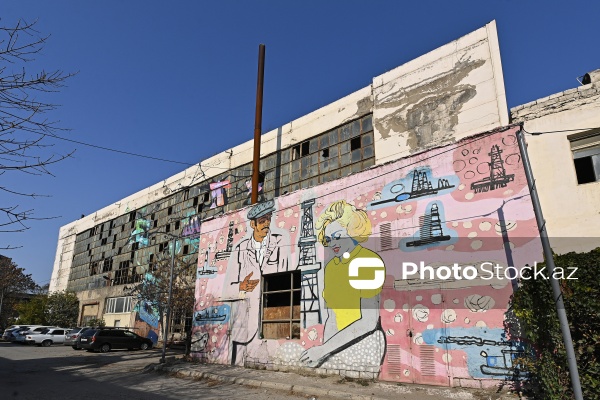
(281, 306)
(300, 150)
(586, 156)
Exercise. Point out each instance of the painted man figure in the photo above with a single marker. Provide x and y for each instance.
(263, 251)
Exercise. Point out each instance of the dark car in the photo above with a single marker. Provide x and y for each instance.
(107, 339)
(72, 335)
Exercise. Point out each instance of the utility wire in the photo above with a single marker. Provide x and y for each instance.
(127, 152)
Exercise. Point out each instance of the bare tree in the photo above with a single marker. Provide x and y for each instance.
(153, 290)
(23, 117)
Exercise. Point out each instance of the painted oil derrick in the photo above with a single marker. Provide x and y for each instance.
(421, 186)
(309, 267)
(224, 254)
(498, 177)
(431, 229)
(205, 269)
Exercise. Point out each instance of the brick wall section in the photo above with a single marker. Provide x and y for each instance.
(563, 101)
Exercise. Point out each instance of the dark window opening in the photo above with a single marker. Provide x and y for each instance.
(325, 153)
(170, 211)
(103, 241)
(186, 249)
(168, 228)
(152, 217)
(107, 265)
(155, 223)
(305, 148)
(176, 225)
(281, 306)
(195, 201)
(355, 144)
(132, 216)
(300, 150)
(93, 268)
(584, 168)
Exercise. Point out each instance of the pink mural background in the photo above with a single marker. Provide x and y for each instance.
(446, 332)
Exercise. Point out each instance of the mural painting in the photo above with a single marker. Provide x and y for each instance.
(285, 284)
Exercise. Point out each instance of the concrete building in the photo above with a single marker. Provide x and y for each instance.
(564, 147)
(421, 166)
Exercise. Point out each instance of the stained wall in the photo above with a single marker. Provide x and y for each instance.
(465, 203)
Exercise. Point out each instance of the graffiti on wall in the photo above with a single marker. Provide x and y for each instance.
(465, 204)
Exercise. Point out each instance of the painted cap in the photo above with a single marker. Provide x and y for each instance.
(261, 209)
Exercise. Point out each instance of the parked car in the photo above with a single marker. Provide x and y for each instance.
(11, 333)
(33, 330)
(104, 340)
(72, 335)
(47, 337)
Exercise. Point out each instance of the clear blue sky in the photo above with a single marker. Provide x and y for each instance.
(177, 79)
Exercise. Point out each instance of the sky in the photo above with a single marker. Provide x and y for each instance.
(177, 80)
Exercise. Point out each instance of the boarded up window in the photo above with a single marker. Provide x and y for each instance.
(281, 306)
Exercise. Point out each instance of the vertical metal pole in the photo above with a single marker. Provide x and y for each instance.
(556, 292)
(258, 121)
(167, 322)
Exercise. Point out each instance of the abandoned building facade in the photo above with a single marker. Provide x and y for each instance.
(421, 167)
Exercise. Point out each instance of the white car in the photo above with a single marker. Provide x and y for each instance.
(47, 337)
(11, 332)
(33, 330)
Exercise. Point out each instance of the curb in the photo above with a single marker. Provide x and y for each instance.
(297, 389)
(183, 371)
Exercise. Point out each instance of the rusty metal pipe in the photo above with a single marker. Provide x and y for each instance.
(258, 121)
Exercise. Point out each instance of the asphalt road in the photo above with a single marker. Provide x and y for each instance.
(59, 372)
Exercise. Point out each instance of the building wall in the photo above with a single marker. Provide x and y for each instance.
(448, 332)
(441, 97)
(571, 210)
(448, 94)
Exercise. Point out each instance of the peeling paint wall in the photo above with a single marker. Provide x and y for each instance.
(450, 93)
(464, 203)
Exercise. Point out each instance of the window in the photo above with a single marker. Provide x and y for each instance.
(116, 305)
(281, 306)
(586, 156)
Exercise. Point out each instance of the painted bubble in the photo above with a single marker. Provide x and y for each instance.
(420, 313)
(389, 305)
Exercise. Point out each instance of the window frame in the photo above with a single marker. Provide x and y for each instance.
(586, 145)
(110, 306)
(291, 320)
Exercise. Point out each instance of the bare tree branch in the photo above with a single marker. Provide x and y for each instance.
(24, 125)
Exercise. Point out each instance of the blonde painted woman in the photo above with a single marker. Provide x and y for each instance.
(353, 339)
